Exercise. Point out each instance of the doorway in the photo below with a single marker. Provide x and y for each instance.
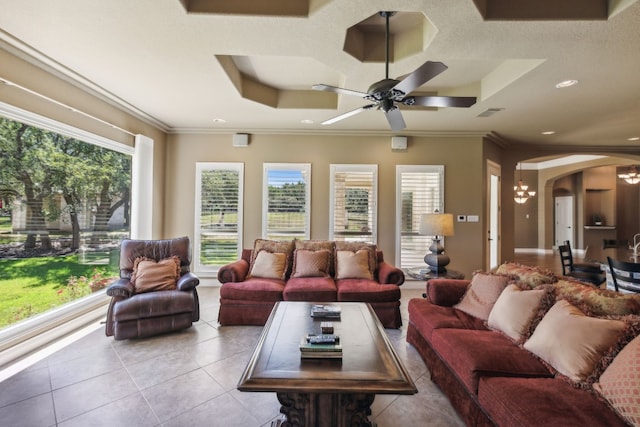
(493, 215)
(564, 226)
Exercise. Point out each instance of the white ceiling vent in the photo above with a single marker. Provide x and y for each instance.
(490, 112)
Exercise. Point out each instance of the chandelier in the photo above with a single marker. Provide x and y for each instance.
(522, 194)
(632, 176)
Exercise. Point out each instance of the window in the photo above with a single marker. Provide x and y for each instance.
(354, 203)
(419, 189)
(218, 222)
(286, 211)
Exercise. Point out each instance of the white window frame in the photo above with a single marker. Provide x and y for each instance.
(423, 242)
(355, 168)
(199, 268)
(305, 170)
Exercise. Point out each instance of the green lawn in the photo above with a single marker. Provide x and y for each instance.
(35, 285)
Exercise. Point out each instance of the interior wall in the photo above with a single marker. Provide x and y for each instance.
(57, 98)
(461, 157)
(526, 214)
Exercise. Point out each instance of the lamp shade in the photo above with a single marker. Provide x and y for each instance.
(436, 224)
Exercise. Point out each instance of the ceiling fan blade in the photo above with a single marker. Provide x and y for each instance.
(442, 101)
(423, 74)
(341, 91)
(394, 117)
(348, 114)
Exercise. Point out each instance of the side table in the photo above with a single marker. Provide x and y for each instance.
(423, 273)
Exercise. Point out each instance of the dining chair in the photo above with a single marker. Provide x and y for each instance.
(589, 267)
(625, 275)
(592, 277)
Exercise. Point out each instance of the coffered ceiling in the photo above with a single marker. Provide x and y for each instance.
(248, 65)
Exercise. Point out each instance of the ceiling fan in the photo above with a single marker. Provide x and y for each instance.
(387, 92)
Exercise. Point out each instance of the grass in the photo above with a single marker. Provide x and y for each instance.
(34, 285)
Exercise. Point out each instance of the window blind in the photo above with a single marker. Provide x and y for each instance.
(420, 189)
(353, 210)
(287, 192)
(218, 236)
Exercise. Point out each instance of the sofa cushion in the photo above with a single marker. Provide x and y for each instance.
(542, 402)
(528, 276)
(353, 265)
(366, 291)
(472, 354)
(269, 265)
(619, 384)
(150, 275)
(307, 263)
(150, 305)
(514, 311)
(428, 317)
(357, 246)
(319, 289)
(597, 302)
(572, 342)
(253, 289)
(484, 290)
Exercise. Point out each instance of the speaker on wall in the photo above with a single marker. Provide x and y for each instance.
(240, 140)
(398, 142)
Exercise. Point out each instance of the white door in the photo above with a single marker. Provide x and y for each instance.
(493, 215)
(564, 229)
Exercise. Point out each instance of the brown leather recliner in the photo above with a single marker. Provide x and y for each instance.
(132, 314)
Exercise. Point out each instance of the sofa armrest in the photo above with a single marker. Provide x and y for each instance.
(446, 292)
(234, 272)
(121, 288)
(187, 282)
(389, 274)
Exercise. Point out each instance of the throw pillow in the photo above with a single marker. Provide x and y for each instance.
(269, 265)
(514, 310)
(620, 382)
(572, 342)
(317, 245)
(273, 246)
(353, 265)
(311, 263)
(357, 246)
(530, 277)
(149, 275)
(482, 293)
(597, 302)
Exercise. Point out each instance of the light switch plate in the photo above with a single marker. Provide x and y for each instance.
(473, 218)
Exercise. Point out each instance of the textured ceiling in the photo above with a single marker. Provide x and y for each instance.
(185, 63)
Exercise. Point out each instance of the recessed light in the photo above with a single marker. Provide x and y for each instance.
(548, 132)
(219, 121)
(566, 83)
(634, 138)
(306, 121)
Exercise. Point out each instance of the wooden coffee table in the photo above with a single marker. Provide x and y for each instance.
(325, 392)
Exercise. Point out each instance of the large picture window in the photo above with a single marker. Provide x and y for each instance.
(354, 203)
(218, 222)
(419, 190)
(286, 199)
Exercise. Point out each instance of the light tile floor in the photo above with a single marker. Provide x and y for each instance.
(187, 378)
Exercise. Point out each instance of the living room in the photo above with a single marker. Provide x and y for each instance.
(136, 77)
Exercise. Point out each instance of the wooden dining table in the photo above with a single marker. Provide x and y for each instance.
(600, 254)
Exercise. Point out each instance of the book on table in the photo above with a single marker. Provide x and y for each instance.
(324, 310)
(320, 351)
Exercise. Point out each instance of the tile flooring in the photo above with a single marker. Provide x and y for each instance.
(187, 378)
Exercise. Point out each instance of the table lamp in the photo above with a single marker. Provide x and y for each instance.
(436, 225)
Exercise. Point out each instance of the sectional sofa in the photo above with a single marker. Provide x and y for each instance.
(308, 270)
(521, 347)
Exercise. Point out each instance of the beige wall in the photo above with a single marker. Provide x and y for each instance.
(460, 156)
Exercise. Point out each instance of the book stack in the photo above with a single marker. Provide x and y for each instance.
(320, 351)
(327, 311)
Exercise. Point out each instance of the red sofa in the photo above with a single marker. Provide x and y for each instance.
(248, 300)
(492, 380)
